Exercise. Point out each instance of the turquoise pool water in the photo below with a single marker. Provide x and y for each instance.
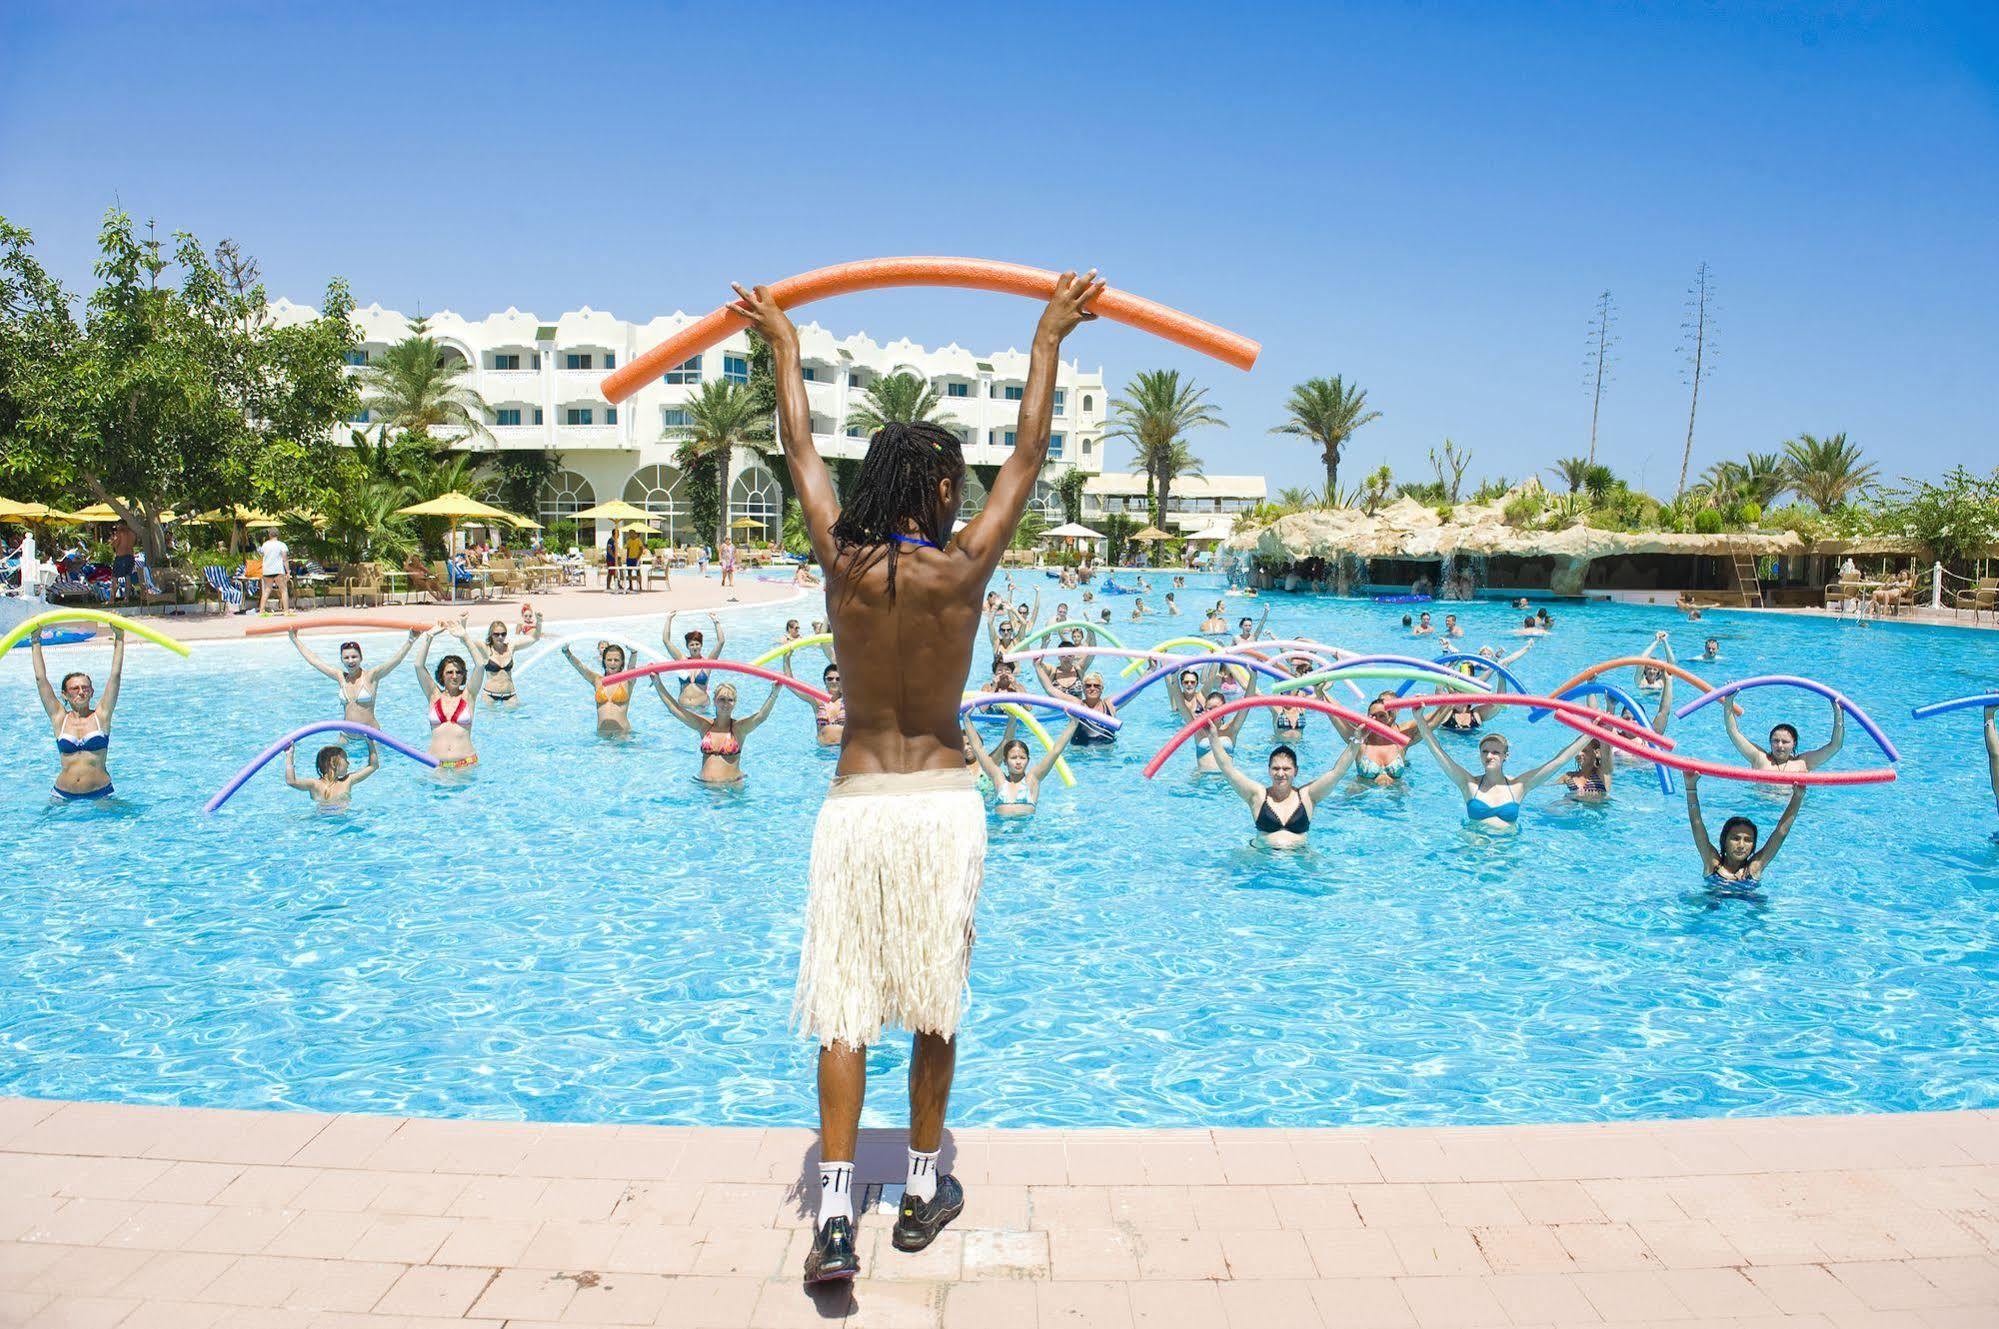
(584, 933)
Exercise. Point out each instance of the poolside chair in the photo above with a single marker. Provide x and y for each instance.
(149, 591)
(226, 594)
(364, 584)
(1980, 599)
(421, 580)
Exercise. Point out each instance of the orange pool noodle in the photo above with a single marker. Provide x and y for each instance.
(312, 621)
(977, 274)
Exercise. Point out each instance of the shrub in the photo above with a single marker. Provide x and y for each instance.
(1708, 522)
(1522, 509)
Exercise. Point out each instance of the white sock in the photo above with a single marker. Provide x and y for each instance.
(922, 1184)
(836, 1192)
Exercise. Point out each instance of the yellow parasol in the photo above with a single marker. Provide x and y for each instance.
(616, 510)
(456, 508)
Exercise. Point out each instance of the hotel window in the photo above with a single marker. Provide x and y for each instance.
(1012, 391)
(359, 417)
(1009, 437)
(507, 415)
(964, 437)
(357, 356)
(736, 368)
(811, 374)
(537, 415)
(854, 431)
(576, 360)
(686, 372)
(579, 415)
(674, 418)
(610, 360)
(1055, 445)
(1089, 404)
(610, 415)
(957, 389)
(509, 361)
(1061, 396)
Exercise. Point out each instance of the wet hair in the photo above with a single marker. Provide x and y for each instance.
(67, 677)
(1408, 620)
(895, 489)
(1007, 747)
(1286, 751)
(327, 756)
(1531, 622)
(346, 646)
(446, 663)
(1777, 729)
(1731, 824)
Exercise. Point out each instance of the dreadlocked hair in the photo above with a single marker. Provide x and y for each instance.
(895, 491)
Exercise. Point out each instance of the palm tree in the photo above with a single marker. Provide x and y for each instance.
(897, 399)
(1297, 496)
(1574, 471)
(414, 387)
(1328, 412)
(1157, 409)
(1827, 471)
(720, 418)
(1764, 478)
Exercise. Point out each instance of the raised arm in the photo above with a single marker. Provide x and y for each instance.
(1258, 632)
(108, 702)
(1547, 770)
(987, 535)
(1054, 754)
(1509, 659)
(698, 723)
(743, 727)
(1768, 852)
(817, 497)
(984, 758)
(291, 766)
(666, 638)
(1709, 854)
(374, 764)
(380, 671)
(315, 661)
(1992, 748)
(721, 636)
(1249, 789)
(1322, 786)
(1665, 704)
(423, 667)
(1457, 773)
(588, 673)
(1756, 756)
(1820, 756)
(50, 701)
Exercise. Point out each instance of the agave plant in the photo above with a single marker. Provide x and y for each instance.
(897, 399)
(1827, 471)
(1297, 497)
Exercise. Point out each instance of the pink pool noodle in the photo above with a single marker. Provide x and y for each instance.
(725, 666)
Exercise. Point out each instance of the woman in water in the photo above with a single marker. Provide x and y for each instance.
(1283, 808)
(1992, 751)
(1492, 797)
(1086, 734)
(1216, 734)
(1783, 754)
(1016, 785)
(614, 704)
(451, 705)
(829, 718)
(1064, 678)
(694, 683)
(1737, 860)
(358, 687)
(1288, 722)
(82, 730)
(495, 658)
(721, 737)
(1215, 622)
(334, 785)
(1376, 762)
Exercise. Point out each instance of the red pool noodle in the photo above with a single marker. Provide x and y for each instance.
(1882, 775)
(1563, 710)
(977, 274)
(1642, 662)
(1394, 736)
(725, 666)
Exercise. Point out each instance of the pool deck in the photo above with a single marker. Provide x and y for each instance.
(177, 1218)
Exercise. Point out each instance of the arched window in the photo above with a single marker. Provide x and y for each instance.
(1048, 502)
(1089, 403)
(658, 490)
(563, 495)
(754, 494)
(974, 501)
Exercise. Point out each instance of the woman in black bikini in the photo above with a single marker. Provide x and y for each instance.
(1283, 807)
(1737, 861)
(495, 659)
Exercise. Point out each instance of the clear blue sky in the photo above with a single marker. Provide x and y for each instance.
(1424, 198)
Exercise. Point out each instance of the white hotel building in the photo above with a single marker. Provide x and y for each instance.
(540, 378)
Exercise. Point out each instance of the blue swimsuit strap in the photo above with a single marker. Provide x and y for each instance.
(916, 540)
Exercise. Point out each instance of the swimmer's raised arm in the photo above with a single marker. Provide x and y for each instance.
(817, 497)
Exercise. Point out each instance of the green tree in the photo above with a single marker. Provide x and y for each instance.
(1033, 526)
(1826, 472)
(38, 342)
(519, 477)
(1153, 416)
(1573, 470)
(720, 419)
(1328, 412)
(1297, 497)
(1118, 530)
(1069, 488)
(417, 387)
(897, 399)
(1955, 521)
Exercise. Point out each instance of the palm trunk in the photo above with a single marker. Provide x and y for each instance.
(1332, 460)
(1165, 493)
(722, 498)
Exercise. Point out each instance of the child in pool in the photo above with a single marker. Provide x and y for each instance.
(335, 782)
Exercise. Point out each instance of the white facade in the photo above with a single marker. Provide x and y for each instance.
(541, 377)
(1195, 503)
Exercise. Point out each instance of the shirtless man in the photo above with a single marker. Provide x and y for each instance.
(903, 822)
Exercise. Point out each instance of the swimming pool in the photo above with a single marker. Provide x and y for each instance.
(584, 933)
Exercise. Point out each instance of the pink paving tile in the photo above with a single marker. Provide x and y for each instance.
(83, 1222)
(1353, 1253)
(1770, 1238)
(566, 1244)
(161, 1227)
(1104, 1305)
(27, 1214)
(214, 1135)
(652, 1201)
(1315, 1207)
(1804, 1289)
(95, 1128)
(1088, 1255)
(647, 1248)
(1395, 1204)
(501, 1197)
(413, 1193)
(1107, 1163)
(1451, 1303)
(757, 1253)
(265, 1186)
(1486, 1156)
(785, 1305)
(402, 1238)
(1967, 1280)
(1029, 1162)
(1554, 1202)
(17, 1114)
(1523, 1250)
(172, 1315)
(1542, 1299)
(942, 1261)
(1924, 1234)
(1180, 1256)
(1176, 1164)
(1069, 1207)
(1332, 1161)
(732, 1204)
(710, 1303)
(350, 1192)
(172, 1275)
(1713, 1294)
(1431, 1252)
(345, 1141)
(1172, 1304)
(989, 1306)
(525, 1293)
(1269, 1304)
(1604, 1246)
(86, 1268)
(619, 1299)
(1153, 1208)
(1853, 1235)
(1262, 1162)
(1627, 1201)
(1233, 1208)
(487, 1241)
(1886, 1285)
(1632, 1294)
(1475, 1204)
(1006, 1255)
(1687, 1243)
(1362, 1303)
(589, 1199)
(1411, 1156)
(108, 1178)
(83, 1313)
(434, 1290)
(992, 1206)
(1267, 1255)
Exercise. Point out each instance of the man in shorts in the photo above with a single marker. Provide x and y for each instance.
(124, 544)
(277, 575)
(898, 853)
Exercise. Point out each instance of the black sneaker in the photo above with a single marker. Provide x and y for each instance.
(832, 1258)
(918, 1222)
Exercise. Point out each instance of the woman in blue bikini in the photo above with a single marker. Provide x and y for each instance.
(1492, 797)
(1015, 784)
(694, 683)
(82, 731)
(1737, 861)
